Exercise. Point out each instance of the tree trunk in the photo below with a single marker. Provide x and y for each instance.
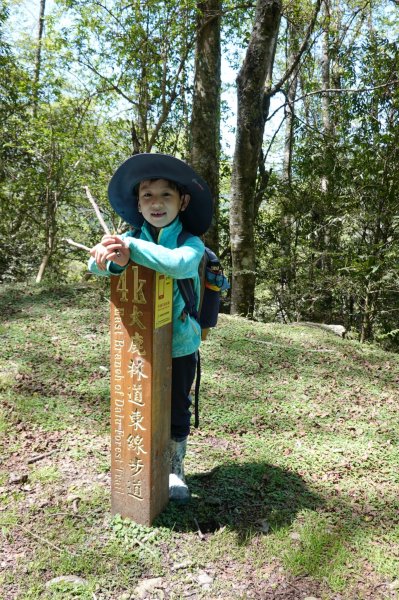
(366, 328)
(326, 84)
(38, 57)
(251, 115)
(286, 224)
(292, 85)
(205, 120)
(320, 265)
(51, 231)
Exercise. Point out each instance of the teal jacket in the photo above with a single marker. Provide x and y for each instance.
(177, 262)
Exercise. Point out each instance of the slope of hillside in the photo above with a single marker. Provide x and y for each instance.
(294, 469)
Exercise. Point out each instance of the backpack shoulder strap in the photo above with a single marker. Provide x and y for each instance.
(187, 291)
(186, 287)
(183, 236)
(136, 232)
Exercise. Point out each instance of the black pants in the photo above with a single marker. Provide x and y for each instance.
(183, 374)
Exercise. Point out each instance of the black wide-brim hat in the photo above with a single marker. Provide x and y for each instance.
(196, 218)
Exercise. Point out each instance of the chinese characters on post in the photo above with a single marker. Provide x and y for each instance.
(141, 330)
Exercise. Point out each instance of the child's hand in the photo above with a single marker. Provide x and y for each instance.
(112, 248)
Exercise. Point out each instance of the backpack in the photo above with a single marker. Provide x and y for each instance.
(213, 282)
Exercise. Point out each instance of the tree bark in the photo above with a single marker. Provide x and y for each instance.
(205, 120)
(326, 85)
(252, 111)
(323, 236)
(38, 57)
(286, 225)
(292, 85)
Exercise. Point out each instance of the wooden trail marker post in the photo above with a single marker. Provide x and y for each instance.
(141, 369)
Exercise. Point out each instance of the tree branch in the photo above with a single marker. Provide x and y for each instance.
(298, 56)
(348, 90)
(173, 94)
(113, 86)
(335, 91)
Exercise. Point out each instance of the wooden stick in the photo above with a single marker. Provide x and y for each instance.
(99, 215)
(38, 457)
(42, 539)
(97, 211)
(77, 245)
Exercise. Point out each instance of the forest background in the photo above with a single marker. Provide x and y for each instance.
(305, 180)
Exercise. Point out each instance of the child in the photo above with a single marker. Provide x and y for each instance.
(160, 195)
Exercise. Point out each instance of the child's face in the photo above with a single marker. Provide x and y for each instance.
(159, 203)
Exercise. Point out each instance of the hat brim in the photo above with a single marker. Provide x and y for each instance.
(196, 218)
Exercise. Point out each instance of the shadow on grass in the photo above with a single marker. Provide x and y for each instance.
(248, 498)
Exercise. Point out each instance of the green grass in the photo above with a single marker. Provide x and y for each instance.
(45, 475)
(320, 551)
(293, 472)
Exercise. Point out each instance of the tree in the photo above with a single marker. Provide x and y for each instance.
(345, 231)
(15, 98)
(205, 119)
(287, 264)
(134, 57)
(254, 76)
(38, 53)
(138, 57)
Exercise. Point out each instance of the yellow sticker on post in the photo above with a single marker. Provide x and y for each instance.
(163, 300)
